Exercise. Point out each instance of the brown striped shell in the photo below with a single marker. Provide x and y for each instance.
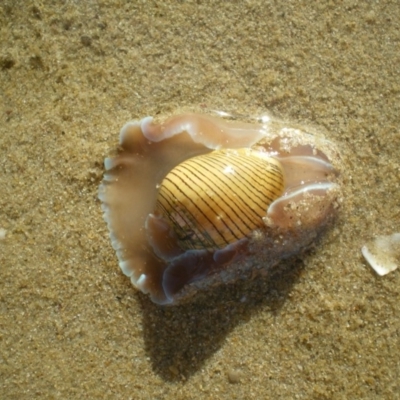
(216, 199)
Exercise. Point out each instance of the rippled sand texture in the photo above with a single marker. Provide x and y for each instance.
(71, 74)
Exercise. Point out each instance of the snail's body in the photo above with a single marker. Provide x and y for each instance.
(198, 200)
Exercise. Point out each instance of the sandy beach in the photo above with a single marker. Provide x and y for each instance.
(324, 326)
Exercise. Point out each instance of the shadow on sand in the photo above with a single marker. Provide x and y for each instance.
(180, 339)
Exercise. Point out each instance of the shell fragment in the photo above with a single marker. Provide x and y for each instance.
(383, 253)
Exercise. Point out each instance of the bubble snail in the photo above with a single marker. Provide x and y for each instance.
(198, 200)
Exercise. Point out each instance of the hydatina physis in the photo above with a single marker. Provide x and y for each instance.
(199, 200)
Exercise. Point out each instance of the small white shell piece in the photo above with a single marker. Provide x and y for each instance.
(383, 253)
(3, 233)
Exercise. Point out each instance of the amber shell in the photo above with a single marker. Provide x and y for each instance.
(216, 199)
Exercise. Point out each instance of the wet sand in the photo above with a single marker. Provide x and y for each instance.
(71, 325)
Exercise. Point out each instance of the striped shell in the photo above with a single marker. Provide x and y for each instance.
(216, 199)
